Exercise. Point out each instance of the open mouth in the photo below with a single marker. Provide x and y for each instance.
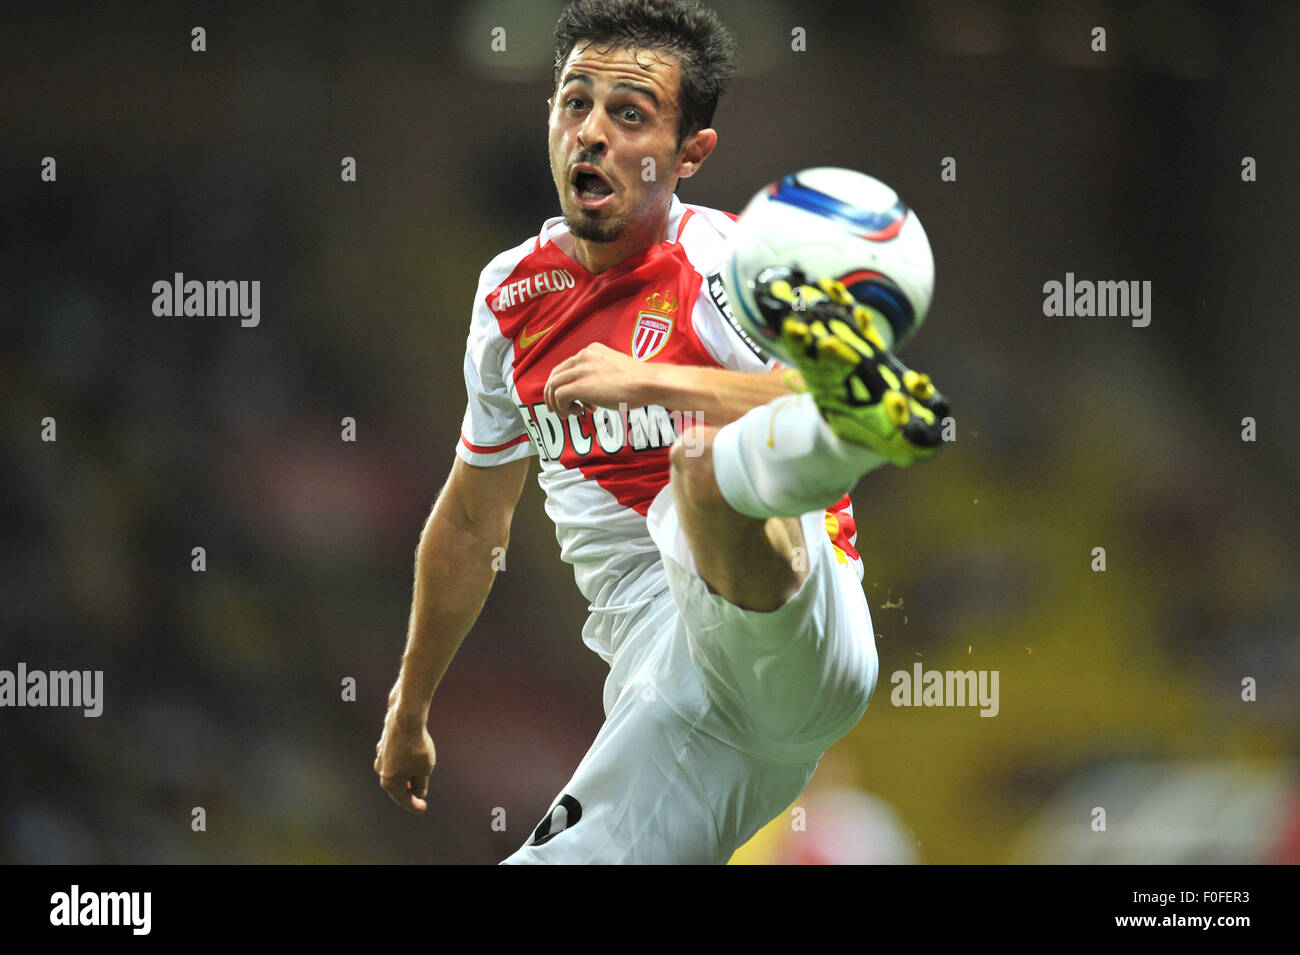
(590, 187)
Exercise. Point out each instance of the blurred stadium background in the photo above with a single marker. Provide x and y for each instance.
(222, 690)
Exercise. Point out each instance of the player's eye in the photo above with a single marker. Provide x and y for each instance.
(635, 114)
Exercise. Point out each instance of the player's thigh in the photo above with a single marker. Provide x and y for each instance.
(787, 683)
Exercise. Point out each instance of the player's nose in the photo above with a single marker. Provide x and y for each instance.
(592, 134)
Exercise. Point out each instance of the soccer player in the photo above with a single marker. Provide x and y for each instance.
(698, 489)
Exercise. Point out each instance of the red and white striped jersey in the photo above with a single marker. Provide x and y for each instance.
(600, 469)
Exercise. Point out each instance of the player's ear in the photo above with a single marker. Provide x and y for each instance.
(696, 149)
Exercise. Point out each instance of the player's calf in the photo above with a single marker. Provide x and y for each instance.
(748, 561)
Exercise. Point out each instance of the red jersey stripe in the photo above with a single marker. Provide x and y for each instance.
(686, 217)
(480, 449)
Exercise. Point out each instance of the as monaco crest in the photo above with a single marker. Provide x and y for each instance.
(652, 329)
(650, 335)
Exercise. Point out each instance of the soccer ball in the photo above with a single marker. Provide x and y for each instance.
(833, 223)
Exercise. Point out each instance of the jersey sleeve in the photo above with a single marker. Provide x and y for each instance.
(724, 337)
(492, 431)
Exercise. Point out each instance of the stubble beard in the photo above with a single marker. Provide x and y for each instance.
(593, 229)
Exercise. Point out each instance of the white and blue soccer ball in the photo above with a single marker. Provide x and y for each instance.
(840, 224)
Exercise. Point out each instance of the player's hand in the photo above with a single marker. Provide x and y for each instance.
(598, 376)
(404, 759)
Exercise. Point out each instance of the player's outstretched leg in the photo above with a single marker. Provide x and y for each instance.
(783, 647)
(740, 489)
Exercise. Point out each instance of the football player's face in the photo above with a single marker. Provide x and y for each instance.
(615, 111)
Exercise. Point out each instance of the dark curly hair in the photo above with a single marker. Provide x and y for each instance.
(684, 28)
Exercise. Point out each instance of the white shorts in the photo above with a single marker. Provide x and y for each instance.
(716, 716)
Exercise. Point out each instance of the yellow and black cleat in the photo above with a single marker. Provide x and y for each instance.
(864, 392)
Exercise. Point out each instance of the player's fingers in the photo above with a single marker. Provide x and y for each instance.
(566, 370)
(548, 391)
(395, 786)
(415, 792)
(559, 391)
(566, 400)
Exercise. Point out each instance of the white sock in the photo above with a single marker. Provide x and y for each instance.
(782, 460)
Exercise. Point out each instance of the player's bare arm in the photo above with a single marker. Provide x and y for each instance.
(602, 376)
(453, 574)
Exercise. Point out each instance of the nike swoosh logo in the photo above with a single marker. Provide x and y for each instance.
(525, 339)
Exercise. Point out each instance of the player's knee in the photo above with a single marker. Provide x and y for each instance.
(861, 685)
(823, 707)
(857, 684)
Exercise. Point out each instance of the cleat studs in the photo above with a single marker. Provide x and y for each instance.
(808, 297)
(896, 408)
(867, 326)
(836, 290)
(781, 289)
(891, 379)
(839, 349)
(918, 384)
(796, 331)
(842, 331)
